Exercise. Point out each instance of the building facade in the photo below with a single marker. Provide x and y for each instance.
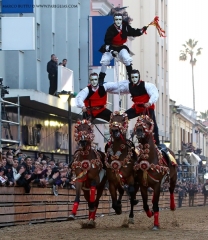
(65, 32)
(187, 136)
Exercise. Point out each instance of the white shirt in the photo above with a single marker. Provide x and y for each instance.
(110, 87)
(15, 174)
(151, 89)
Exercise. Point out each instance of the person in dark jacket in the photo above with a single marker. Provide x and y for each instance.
(8, 170)
(52, 69)
(181, 193)
(191, 191)
(205, 191)
(25, 171)
(115, 38)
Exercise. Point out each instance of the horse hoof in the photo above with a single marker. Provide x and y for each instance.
(155, 228)
(173, 208)
(135, 202)
(131, 221)
(118, 212)
(91, 223)
(71, 217)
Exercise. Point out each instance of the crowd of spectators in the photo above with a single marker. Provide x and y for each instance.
(188, 189)
(18, 169)
(190, 148)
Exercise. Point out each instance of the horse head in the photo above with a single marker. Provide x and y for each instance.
(84, 133)
(118, 124)
(143, 127)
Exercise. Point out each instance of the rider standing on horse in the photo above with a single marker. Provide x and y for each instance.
(115, 38)
(93, 98)
(144, 95)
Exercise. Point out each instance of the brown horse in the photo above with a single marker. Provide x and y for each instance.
(152, 167)
(88, 169)
(120, 159)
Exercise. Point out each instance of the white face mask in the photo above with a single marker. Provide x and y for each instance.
(94, 81)
(135, 78)
(118, 20)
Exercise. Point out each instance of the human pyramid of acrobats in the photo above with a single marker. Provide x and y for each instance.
(121, 159)
(93, 99)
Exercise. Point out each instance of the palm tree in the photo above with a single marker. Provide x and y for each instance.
(204, 115)
(189, 51)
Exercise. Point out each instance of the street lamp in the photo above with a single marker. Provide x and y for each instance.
(167, 143)
(67, 96)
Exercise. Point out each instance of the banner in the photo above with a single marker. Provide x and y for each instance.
(99, 27)
(17, 6)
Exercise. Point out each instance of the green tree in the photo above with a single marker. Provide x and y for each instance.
(189, 51)
(204, 115)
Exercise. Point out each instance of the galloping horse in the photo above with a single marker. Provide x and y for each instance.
(88, 168)
(120, 159)
(153, 167)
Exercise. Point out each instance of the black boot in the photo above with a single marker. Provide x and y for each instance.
(129, 69)
(101, 78)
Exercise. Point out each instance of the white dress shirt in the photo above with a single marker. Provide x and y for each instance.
(110, 87)
(151, 89)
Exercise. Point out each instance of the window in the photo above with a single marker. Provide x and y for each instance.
(162, 10)
(53, 42)
(0, 29)
(38, 41)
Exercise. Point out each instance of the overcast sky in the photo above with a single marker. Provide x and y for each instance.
(188, 19)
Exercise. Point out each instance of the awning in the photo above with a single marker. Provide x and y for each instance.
(44, 104)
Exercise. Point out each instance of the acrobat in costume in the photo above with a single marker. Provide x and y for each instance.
(115, 38)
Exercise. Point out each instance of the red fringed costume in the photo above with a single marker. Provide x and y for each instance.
(155, 23)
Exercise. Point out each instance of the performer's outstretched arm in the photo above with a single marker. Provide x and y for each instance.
(114, 87)
(135, 32)
(81, 96)
(152, 92)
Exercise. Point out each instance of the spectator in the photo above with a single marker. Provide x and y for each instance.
(44, 164)
(52, 74)
(40, 156)
(64, 62)
(8, 169)
(60, 165)
(52, 164)
(26, 174)
(48, 173)
(3, 178)
(38, 176)
(69, 176)
(16, 175)
(47, 159)
(205, 191)
(191, 191)
(180, 172)
(180, 196)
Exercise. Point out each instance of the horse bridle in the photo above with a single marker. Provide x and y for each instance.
(85, 165)
(122, 127)
(140, 122)
(83, 135)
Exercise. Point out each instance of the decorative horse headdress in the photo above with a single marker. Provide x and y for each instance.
(146, 123)
(121, 125)
(84, 131)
